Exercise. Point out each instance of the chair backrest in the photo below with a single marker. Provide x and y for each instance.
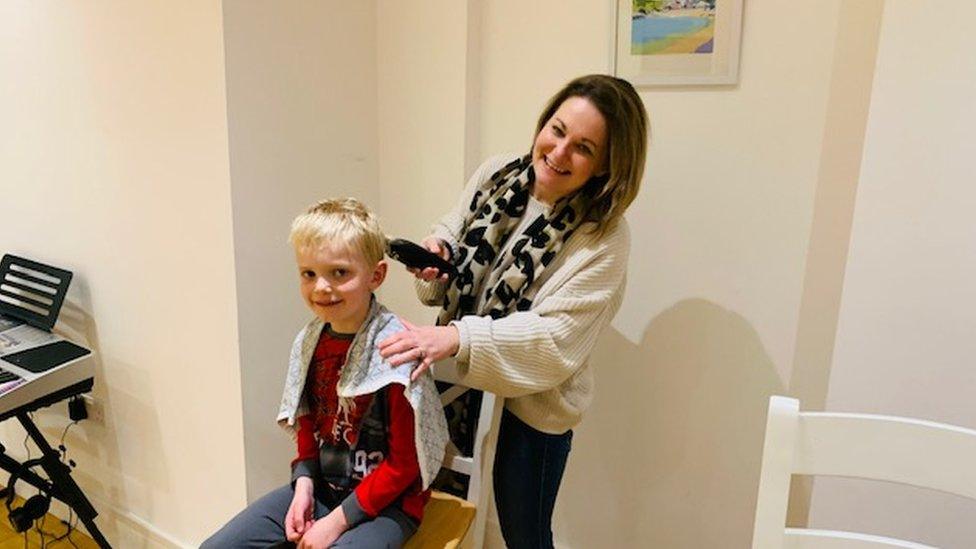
(478, 466)
(895, 449)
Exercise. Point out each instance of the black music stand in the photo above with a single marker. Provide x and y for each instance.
(33, 292)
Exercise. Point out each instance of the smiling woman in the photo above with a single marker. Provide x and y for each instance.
(540, 245)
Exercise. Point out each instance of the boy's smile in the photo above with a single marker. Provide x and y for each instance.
(337, 284)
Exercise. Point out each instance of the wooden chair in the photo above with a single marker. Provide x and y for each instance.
(902, 450)
(448, 519)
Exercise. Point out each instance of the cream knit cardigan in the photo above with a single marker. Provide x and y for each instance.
(539, 359)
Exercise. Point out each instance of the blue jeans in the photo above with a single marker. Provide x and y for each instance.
(529, 466)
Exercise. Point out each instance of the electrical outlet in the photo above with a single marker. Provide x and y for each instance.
(96, 412)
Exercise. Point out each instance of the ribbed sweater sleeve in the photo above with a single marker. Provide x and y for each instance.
(537, 350)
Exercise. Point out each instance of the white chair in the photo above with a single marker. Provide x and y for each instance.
(451, 522)
(902, 450)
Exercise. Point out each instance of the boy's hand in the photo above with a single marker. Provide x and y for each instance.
(425, 344)
(298, 520)
(440, 248)
(325, 531)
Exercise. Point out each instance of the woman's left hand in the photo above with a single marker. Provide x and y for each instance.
(425, 344)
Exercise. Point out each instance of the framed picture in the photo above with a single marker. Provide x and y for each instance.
(676, 42)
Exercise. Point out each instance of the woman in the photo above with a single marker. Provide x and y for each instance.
(541, 248)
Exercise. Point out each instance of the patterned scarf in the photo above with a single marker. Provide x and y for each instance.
(495, 211)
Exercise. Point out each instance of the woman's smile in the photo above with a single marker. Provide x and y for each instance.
(553, 167)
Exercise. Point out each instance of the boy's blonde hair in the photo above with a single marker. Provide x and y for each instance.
(345, 221)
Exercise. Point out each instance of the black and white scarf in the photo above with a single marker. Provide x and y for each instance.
(495, 211)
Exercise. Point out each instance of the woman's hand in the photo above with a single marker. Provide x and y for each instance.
(299, 517)
(439, 247)
(325, 530)
(425, 344)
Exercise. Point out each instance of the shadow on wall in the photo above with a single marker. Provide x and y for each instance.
(669, 453)
(93, 443)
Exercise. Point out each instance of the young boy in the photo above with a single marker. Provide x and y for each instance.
(369, 441)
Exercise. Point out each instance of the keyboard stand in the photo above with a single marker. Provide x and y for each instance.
(61, 485)
(33, 293)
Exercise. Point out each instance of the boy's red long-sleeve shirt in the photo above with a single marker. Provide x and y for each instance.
(398, 474)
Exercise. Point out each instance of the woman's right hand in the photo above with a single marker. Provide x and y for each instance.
(439, 247)
(298, 520)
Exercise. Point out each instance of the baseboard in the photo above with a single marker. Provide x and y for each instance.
(123, 528)
(494, 540)
(151, 532)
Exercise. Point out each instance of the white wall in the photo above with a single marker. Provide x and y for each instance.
(301, 104)
(904, 337)
(422, 106)
(668, 455)
(113, 163)
(711, 320)
(115, 125)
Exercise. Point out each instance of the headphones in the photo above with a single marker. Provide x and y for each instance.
(23, 517)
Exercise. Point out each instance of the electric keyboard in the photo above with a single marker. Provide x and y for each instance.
(37, 367)
(48, 367)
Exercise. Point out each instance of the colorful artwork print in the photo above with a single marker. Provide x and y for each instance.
(663, 27)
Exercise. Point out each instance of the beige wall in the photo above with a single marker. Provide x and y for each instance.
(301, 108)
(116, 128)
(668, 455)
(331, 99)
(424, 85)
(113, 163)
(905, 333)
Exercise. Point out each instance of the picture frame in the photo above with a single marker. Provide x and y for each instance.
(676, 42)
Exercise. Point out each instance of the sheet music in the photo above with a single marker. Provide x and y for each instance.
(18, 336)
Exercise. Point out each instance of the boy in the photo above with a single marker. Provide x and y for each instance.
(369, 441)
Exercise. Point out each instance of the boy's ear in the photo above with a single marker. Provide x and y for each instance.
(379, 275)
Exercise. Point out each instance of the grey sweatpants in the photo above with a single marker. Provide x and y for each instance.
(262, 524)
